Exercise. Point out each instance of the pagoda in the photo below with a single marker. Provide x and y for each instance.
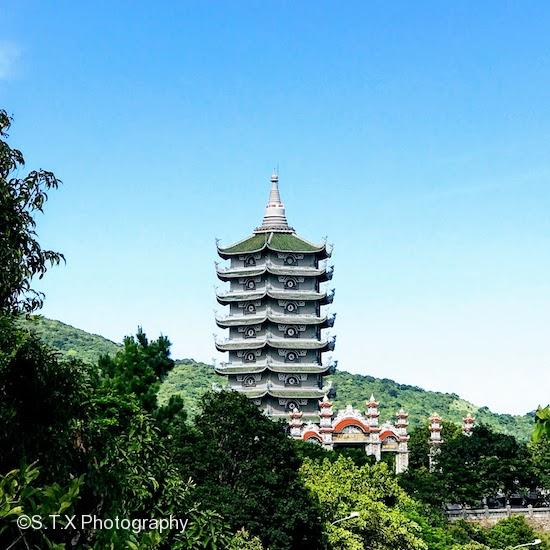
(276, 318)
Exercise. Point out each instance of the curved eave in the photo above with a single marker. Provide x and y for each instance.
(322, 321)
(246, 320)
(229, 274)
(301, 343)
(244, 369)
(297, 368)
(305, 295)
(285, 393)
(241, 296)
(249, 245)
(298, 393)
(276, 343)
(283, 368)
(290, 271)
(320, 251)
(241, 345)
(268, 240)
(241, 320)
(244, 296)
(237, 272)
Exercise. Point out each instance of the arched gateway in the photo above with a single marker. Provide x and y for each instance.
(351, 428)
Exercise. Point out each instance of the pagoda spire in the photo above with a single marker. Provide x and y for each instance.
(274, 217)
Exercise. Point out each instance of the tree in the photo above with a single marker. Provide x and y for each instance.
(370, 493)
(21, 256)
(246, 469)
(542, 423)
(139, 368)
(471, 468)
(42, 401)
(540, 457)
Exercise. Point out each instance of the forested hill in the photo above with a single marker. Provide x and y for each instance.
(191, 379)
(71, 341)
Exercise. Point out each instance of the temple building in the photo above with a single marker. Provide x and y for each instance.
(350, 427)
(276, 316)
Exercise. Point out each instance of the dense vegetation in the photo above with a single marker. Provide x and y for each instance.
(191, 379)
(92, 439)
(70, 341)
(109, 439)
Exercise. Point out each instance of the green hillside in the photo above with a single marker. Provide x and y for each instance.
(70, 341)
(191, 379)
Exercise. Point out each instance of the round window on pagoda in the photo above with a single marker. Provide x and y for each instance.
(250, 261)
(290, 284)
(291, 332)
(250, 357)
(292, 357)
(291, 308)
(250, 333)
(292, 381)
(251, 308)
(250, 284)
(249, 381)
(290, 260)
(292, 406)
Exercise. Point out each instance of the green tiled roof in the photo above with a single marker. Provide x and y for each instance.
(282, 242)
(291, 243)
(251, 244)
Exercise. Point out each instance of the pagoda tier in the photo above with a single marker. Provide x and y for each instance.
(228, 321)
(269, 291)
(276, 317)
(285, 393)
(233, 344)
(258, 367)
(322, 272)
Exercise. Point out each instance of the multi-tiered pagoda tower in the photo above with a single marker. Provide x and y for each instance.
(276, 317)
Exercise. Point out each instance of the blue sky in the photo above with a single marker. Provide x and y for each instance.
(414, 135)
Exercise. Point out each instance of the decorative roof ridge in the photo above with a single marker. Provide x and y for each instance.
(350, 412)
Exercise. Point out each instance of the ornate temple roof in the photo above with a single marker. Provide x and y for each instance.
(277, 242)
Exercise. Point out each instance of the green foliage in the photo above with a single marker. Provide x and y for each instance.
(507, 533)
(540, 457)
(190, 380)
(542, 423)
(243, 540)
(510, 532)
(41, 402)
(372, 492)
(471, 468)
(80, 425)
(71, 342)
(139, 368)
(246, 469)
(21, 256)
(20, 496)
